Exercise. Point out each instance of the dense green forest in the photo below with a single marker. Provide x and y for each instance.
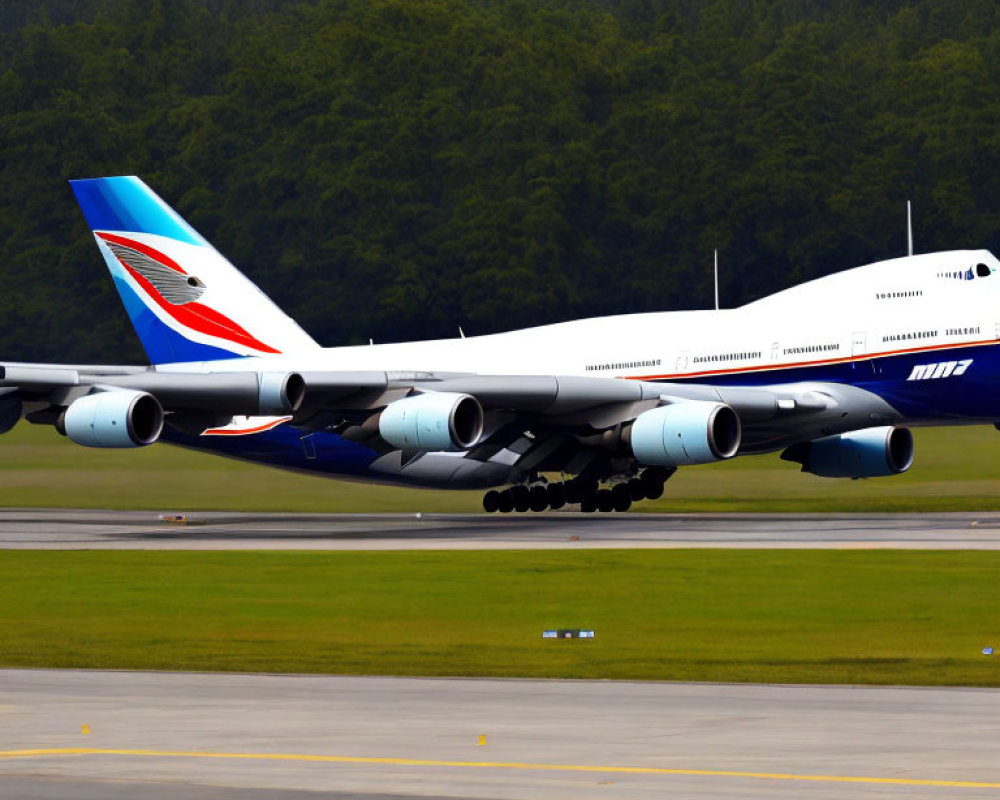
(395, 168)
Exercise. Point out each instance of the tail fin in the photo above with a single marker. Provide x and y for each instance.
(185, 300)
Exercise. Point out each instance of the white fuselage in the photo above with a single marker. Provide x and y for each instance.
(923, 302)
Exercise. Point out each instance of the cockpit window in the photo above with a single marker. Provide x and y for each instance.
(983, 271)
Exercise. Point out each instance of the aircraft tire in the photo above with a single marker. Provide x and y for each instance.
(491, 501)
(538, 498)
(506, 502)
(636, 490)
(652, 482)
(571, 492)
(605, 501)
(650, 479)
(521, 497)
(557, 495)
(588, 502)
(621, 497)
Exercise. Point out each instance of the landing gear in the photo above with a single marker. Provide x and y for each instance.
(582, 490)
(538, 498)
(491, 501)
(652, 480)
(571, 492)
(506, 502)
(521, 496)
(556, 495)
(621, 497)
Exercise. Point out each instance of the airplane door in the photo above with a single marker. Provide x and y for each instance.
(859, 347)
(682, 363)
(775, 351)
(308, 446)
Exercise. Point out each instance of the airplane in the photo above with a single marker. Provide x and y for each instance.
(595, 413)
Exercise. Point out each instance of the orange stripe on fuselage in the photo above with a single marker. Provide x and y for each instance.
(802, 364)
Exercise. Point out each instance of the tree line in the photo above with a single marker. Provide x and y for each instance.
(392, 169)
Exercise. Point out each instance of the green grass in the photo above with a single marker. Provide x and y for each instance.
(955, 469)
(776, 616)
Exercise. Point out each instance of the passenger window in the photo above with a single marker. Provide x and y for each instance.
(983, 271)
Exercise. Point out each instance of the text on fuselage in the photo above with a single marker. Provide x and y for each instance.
(943, 369)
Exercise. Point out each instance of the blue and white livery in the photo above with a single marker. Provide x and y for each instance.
(829, 372)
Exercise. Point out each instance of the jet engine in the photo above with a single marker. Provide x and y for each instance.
(120, 418)
(432, 421)
(689, 432)
(281, 392)
(868, 453)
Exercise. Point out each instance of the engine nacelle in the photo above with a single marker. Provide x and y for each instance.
(121, 418)
(868, 453)
(432, 421)
(687, 432)
(280, 392)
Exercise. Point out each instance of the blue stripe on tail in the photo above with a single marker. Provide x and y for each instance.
(162, 344)
(127, 204)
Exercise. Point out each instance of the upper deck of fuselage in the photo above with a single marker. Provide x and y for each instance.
(923, 276)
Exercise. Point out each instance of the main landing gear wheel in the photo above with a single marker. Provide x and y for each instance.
(636, 490)
(491, 501)
(605, 500)
(621, 498)
(538, 498)
(571, 492)
(521, 497)
(652, 480)
(583, 490)
(506, 503)
(556, 493)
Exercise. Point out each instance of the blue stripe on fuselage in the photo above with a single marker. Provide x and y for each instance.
(974, 395)
(286, 447)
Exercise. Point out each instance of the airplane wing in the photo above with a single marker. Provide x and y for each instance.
(526, 423)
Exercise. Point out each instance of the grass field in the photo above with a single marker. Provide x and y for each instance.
(777, 616)
(955, 468)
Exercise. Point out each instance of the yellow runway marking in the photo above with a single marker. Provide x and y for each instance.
(514, 765)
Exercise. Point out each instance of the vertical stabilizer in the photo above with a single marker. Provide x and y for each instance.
(185, 300)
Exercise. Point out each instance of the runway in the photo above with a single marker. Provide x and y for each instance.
(217, 736)
(263, 737)
(59, 529)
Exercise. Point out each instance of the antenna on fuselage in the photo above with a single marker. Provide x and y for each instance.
(909, 229)
(716, 279)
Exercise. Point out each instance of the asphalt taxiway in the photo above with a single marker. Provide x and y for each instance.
(219, 736)
(265, 737)
(70, 530)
